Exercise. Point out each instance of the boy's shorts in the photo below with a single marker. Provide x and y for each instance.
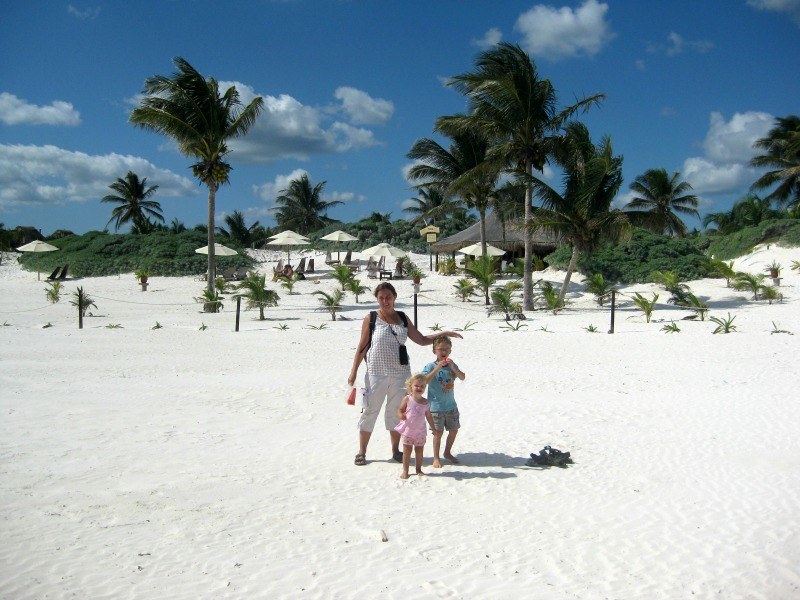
(448, 419)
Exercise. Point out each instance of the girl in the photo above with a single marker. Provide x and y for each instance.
(413, 412)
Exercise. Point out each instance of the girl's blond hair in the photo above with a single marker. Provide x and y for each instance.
(412, 379)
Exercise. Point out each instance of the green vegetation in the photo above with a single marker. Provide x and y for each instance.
(774, 231)
(254, 290)
(724, 325)
(331, 302)
(645, 305)
(53, 291)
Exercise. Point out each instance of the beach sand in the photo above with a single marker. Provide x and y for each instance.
(187, 463)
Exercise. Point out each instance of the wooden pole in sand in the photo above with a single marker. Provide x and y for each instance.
(613, 307)
(238, 308)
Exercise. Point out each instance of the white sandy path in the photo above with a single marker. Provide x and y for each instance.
(178, 463)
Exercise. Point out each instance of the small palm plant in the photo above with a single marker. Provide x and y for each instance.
(689, 300)
(748, 282)
(597, 285)
(254, 290)
(221, 286)
(795, 265)
(672, 327)
(465, 289)
(550, 295)
(503, 300)
(82, 300)
(356, 287)
(211, 300)
(342, 274)
(287, 282)
(720, 268)
(483, 271)
(671, 283)
(331, 302)
(724, 325)
(770, 293)
(53, 292)
(646, 305)
(448, 266)
(774, 269)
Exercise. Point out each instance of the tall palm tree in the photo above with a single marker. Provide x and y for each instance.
(431, 204)
(463, 169)
(510, 105)
(782, 152)
(746, 212)
(132, 196)
(189, 108)
(660, 197)
(238, 229)
(582, 213)
(302, 207)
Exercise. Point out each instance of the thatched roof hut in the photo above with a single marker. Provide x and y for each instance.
(508, 238)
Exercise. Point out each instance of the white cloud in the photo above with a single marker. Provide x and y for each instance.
(676, 44)
(363, 109)
(790, 7)
(733, 141)
(491, 38)
(16, 111)
(286, 128)
(728, 147)
(51, 175)
(269, 191)
(563, 32)
(86, 14)
(640, 65)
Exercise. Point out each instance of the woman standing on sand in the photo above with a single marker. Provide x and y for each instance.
(382, 345)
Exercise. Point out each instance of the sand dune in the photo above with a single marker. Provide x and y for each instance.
(180, 463)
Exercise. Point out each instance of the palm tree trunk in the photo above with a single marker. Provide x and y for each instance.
(483, 232)
(527, 279)
(212, 258)
(572, 262)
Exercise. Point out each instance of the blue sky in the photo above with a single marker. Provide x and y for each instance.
(349, 86)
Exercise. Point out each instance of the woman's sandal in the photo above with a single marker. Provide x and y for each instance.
(361, 460)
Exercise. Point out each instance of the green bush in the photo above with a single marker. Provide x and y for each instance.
(634, 262)
(734, 245)
(163, 253)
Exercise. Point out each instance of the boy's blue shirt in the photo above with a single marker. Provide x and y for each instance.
(441, 394)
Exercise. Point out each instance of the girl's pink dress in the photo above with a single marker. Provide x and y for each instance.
(412, 430)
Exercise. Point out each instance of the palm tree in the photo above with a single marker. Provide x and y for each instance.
(582, 215)
(331, 302)
(515, 109)
(463, 169)
(782, 152)
(431, 204)
(746, 212)
(238, 229)
(660, 197)
(302, 208)
(176, 226)
(188, 108)
(132, 196)
(484, 271)
(254, 289)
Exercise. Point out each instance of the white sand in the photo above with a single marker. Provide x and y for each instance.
(179, 463)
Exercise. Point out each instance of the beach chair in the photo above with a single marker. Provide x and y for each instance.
(229, 274)
(63, 275)
(241, 273)
(301, 267)
(54, 275)
(348, 258)
(279, 266)
(372, 269)
(310, 268)
(329, 260)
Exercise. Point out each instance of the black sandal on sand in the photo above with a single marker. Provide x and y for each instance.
(361, 459)
(398, 456)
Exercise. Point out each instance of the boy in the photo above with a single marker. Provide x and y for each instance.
(440, 377)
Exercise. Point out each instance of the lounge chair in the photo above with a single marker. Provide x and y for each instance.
(279, 266)
(63, 275)
(229, 274)
(241, 273)
(300, 269)
(348, 258)
(310, 268)
(329, 260)
(54, 275)
(372, 269)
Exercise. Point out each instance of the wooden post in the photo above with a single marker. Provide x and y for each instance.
(613, 308)
(80, 316)
(416, 291)
(238, 308)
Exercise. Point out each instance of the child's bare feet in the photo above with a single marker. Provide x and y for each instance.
(451, 458)
(437, 464)
(403, 475)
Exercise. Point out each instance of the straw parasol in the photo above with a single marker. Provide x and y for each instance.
(476, 250)
(37, 246)
(339, 236)
(383, 249)
(219, 250)
(289, 241)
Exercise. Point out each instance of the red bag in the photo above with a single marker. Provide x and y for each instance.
(351, 396)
